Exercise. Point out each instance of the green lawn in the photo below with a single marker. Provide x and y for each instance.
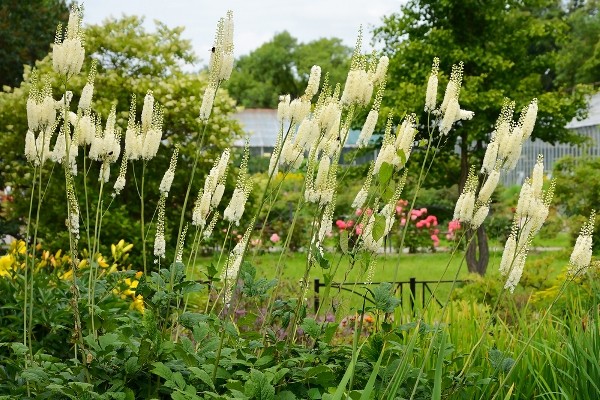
(389, 267)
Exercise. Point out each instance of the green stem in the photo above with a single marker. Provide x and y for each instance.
(26, 292)
(142, 218)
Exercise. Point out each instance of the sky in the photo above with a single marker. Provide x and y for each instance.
(255, 21)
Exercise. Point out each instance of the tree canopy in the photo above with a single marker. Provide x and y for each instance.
(26, 30)
(510, 49)
(579, 54)
(282, 66)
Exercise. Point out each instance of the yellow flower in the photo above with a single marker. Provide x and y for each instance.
(101, 262)
(138, 304)
(7, 265)
(67, 275)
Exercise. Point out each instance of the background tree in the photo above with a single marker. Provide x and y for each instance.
(282, 66)
(130, 61)
(509, 49)
(579, 55)
(580, 176)
(26, 30)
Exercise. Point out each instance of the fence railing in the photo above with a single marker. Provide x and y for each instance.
(399, 289)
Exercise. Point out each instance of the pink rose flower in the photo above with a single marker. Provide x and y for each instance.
(274, 238)
(341, 224)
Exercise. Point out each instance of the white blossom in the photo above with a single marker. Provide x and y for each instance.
(368, 129)
(529, 119)
(479, 216)
(582, 252)
(489, 186)
(360, 199)
(85, 101)
(313, 81)
(432, 86)
(207, 102)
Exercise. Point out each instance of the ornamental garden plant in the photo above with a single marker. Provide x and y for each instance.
(87, 321)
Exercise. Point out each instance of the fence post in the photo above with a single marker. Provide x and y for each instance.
(412, 283)
(317, 286)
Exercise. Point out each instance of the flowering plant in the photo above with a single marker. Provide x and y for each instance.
(422, 231)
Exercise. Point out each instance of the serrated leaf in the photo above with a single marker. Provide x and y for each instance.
(19, 348)
(385, 173)
(203, 376)
(311, 327)
(378, 227)
(131, 365)
(388, 192)
(162, 370)
(109, 341)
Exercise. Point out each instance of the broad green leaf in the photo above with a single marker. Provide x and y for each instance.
(385, 173)
(378, 227)
(203, 376)
(162, 370)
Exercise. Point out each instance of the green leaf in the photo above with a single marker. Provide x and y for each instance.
(322, 261)
(190, 320)
(162, 370)
(131, 365)
(211, 271)
(402, 156)
(378, 227)
(264, 360)
(384, 298)
(341, 388)
(203, 376)
(259, 387)
(314, 394)
(285, 395)
(388, 191)
(19, 348)
(366, 394)
(385, 173)
(109, 341)
(439, 366)
(344, 241)
(311, 327)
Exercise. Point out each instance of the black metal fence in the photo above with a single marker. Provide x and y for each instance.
(399, 289)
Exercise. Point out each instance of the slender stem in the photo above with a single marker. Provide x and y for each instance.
(35, 170)
(142, 218)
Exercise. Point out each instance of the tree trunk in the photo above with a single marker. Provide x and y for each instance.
(477, 247)
(478, 252)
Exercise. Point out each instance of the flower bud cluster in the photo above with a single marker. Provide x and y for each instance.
(106, 144)
(432, 86)
(210, 196)
(532, 210)
(167, 180)
(68, 52)
(236, 207)
(395, 150)
(159, 239)
(450, 108)
(142, 140)
(321, 189)
(582, 251)
(508, 137)
(371, 121)
(41, 107)
(230, 273)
